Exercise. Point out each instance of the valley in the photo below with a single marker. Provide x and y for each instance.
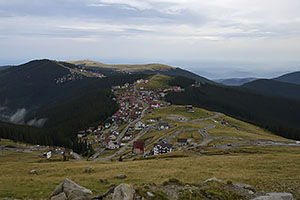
(151, 141)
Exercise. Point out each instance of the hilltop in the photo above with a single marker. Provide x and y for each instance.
(123, 67)
(289, 78)
(141, 68)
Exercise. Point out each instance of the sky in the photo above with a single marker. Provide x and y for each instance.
(214, 38)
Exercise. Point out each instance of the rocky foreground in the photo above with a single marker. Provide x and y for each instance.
(172, 189)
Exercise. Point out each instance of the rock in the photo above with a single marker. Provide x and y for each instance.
(150, 195)
(123, 192)
(213, 179)
(250, 192)
(103, 180)
(276, 196)
(61, 196)
(121, 176)
(6, 198)
(245, 186)
(88, 170)
(68, 190)
(33, 172)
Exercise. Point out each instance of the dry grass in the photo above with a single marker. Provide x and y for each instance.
(179, 110)
(157, 81)
(129, 68)
(274, 168)
(244, 130)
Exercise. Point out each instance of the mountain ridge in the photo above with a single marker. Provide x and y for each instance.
(235, 81)
(293, 77)
(152, 68)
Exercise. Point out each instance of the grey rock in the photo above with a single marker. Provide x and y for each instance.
(71, 191)
(245, 186)
(276, 196)
(103, 180)
(33, 172)
(6, 198)
(88, 170)
(121, 176)
(123, 192)
(250, 192)
(150, 195)
(213, 179)
(61, 196)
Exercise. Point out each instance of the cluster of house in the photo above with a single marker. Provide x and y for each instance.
(94, 74)
(132, 102)
(68, 77)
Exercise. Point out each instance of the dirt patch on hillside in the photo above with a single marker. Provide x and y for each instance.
(177, 118)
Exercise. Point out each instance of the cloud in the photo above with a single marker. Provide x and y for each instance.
(151, 30)
(18, 117)
(37, 122)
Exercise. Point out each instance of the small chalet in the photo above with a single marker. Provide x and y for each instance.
(182, 141)
(162, 147)
(139, 125)
(106, 141)
(112, 145)
(163, 126)
(138, 147)
(112, 137)
(127, 137)
(91, 129)
(189, 108)
(107, 125)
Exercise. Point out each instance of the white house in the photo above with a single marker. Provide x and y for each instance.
(163, 126)
(139, 125)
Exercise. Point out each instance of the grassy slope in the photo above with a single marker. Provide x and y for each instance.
(130, 68)
(271, 169)
(157, 81)
(179, 110)
(259, 166)
(245, 130)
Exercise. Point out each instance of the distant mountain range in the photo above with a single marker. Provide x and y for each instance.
(234, 81)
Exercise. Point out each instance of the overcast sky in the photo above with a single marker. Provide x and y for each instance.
(216, 38)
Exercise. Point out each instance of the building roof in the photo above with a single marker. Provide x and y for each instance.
(181, 140)
(138, 145)
(168, 145)
(163, 124)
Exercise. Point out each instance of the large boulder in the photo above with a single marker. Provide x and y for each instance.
(276, 196)
(123, 192)
(69, 190)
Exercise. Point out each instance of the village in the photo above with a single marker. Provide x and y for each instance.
(127, 125)
(146, 125)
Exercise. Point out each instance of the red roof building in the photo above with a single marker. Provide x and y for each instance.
(138, 147)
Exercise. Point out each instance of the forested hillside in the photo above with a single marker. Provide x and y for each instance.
(274, 88)
(280, 115)
(87, 102)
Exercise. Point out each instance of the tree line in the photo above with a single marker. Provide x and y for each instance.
(277, 114)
